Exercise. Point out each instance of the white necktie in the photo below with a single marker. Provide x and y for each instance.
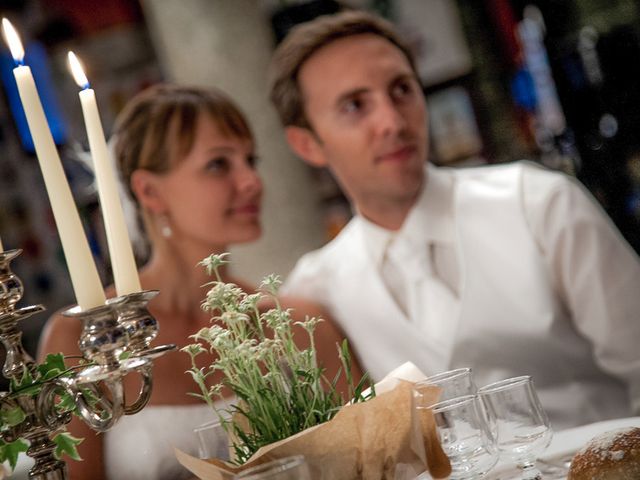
(411, 278)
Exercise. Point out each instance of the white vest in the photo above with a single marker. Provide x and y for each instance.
(510, 322)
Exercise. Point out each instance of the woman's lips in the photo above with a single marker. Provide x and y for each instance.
(251, 209)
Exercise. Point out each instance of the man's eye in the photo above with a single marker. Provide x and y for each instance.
(402, 89)
(218, 164)
(352, 106)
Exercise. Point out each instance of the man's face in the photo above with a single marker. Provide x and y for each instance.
(368, 116)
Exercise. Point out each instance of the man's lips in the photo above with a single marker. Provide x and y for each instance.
(398, 155)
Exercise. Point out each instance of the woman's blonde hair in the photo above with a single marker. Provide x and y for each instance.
(158, 126)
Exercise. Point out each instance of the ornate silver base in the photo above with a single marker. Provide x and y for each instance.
(115, 341)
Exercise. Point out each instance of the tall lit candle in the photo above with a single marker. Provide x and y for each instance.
(125, 272)
(82, 269)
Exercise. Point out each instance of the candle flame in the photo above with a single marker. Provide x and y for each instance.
(77, 71)
(13, 40)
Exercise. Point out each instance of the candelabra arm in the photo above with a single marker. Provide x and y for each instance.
(145, 391)
(100, 416)
(115, 341)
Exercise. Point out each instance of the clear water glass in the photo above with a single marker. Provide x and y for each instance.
(454, 383)
(465, 437)
(212, 440)
(520, 424)
(288, 468)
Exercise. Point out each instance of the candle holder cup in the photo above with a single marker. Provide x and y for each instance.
(114, 342)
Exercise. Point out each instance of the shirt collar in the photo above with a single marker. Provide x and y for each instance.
(429, 221)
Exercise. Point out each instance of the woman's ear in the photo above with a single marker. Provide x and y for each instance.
(306, 145)
(146, 188)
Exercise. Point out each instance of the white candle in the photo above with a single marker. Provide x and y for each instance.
(82, 269)
(125, 272)
(1, 247)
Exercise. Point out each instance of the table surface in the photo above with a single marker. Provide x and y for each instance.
(564, 443)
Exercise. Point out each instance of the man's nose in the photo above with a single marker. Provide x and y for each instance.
(389, 118)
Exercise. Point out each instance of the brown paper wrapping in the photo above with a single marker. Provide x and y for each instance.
(375, 440)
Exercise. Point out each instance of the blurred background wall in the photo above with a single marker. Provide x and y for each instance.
(548, 80)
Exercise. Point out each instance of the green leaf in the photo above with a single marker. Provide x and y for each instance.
(66, 403)
(12, 416)
(124, 355)
(24, 382)
(27, 385)
(90, 397)
(10, 451)
(66, 444)
(52, 366)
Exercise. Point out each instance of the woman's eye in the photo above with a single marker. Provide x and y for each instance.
(253, 160)
(218, 164)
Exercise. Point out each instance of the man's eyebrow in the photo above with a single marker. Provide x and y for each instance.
(350, 94)
(404, 76)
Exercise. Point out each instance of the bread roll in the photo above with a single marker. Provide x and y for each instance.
(613, 455)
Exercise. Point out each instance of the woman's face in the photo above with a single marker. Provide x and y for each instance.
(212, 195)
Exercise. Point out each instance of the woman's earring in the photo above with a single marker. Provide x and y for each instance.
(165, 226)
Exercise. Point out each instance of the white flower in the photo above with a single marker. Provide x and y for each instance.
(233, 319)
(213, 262)
(271, 284)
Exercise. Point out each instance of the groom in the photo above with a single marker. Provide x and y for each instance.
(511, 269)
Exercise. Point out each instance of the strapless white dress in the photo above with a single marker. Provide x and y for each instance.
(140, 446)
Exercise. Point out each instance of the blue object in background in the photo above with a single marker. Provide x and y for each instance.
(523, 90)
(36, 59)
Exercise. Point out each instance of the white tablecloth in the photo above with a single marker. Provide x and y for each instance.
(565, 443)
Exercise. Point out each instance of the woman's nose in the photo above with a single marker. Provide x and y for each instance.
(248, 180)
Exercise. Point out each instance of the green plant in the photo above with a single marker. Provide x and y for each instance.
(280, 389)
(12, 415)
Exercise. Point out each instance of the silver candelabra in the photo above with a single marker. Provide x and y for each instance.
(114, 342)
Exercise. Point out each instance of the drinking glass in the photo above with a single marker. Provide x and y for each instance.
(212, 440)
(288, 468)
(465, 437)
(521, 425)
(454, 383)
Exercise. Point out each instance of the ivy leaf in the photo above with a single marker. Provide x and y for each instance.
(10, 451)
(66, 403)
(124, 355)
(91, 398)
(52, 366)
(12, 416)
(27, 385)
(66, 444)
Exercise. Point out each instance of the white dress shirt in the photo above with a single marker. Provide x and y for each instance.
(539, 283)
(419, 262)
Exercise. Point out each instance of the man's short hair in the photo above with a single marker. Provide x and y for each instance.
(307, 38)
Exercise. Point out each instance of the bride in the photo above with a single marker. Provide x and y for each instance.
(187, 157)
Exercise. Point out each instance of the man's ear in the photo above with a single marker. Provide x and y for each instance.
(305, 144)
(146, 188)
